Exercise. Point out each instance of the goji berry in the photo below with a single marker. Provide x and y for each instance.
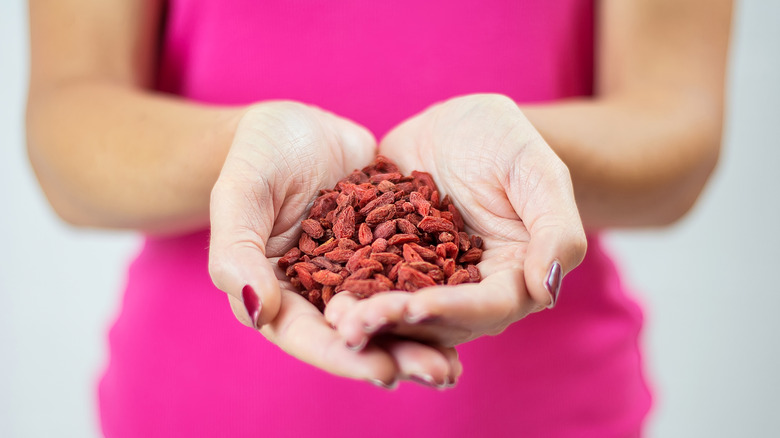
(378, 230)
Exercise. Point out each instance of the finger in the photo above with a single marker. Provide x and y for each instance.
(357, 145)
(464, 307)
(456, 367)
(539, 188)
(301, 331)
(423, 364)
(471, 310)
(358, 321)
(403, 147)
(237, 260)
(362, 319)
(338, 306)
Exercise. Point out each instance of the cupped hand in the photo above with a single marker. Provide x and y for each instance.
(512, 190)
(282, 154)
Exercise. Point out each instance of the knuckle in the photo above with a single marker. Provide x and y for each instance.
(580, 246)
(492, 100)
(561, 169)
(217, 192)
(500, 101)
(219, 271)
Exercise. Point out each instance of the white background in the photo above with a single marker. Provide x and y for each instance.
(709, 284)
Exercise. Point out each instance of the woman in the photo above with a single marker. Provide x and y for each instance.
(637, 126)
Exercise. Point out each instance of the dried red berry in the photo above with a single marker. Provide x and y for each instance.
(365, 235)
(386, 258)
(344, 226)
(361, 254)
(327, 278)
(363, 288)
(386, 198)
(380, 215)
(329, 245)
(384, 230)
(306, 244)
(410, 279)
(410, 255)
(313, 228)
(474, 275)
(379, 245)
(378, 230)
(431, 224)
(289, 258)
(422, 206)
(460, 276)
(471, 256)
(400, 239)
(339, 255)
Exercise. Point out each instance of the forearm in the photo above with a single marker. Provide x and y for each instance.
(639, 160)
(118, 157)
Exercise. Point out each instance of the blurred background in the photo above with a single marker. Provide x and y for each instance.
(708, 284)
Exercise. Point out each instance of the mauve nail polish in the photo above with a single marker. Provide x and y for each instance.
(553, 283)
(252, 303)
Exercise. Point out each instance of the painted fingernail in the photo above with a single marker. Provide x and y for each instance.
(423, 379)
(252, 303)
(553, 283)
(391, 386)
(359, 346)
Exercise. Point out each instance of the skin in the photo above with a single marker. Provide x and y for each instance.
(517, 176)
(638, 153)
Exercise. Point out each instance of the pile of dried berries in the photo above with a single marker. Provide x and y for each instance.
(378, 231)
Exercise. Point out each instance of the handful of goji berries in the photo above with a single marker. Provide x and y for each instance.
(378, 230)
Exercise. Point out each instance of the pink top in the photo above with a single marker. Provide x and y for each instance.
(181, 365)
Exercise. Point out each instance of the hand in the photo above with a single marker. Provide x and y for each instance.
(282, 154)
(513, 191)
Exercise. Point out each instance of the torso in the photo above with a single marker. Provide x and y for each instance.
(180, 363)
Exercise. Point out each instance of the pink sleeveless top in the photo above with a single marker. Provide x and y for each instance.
(181, 365)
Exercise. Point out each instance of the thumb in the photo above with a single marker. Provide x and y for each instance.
(541, 193)
(237, 259)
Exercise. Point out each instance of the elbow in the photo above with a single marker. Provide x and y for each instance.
(698, 138)
(69, 213)
(684, 192)
(61, 204)
(43, 158)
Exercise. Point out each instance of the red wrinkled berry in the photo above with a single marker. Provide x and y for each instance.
(378, 230)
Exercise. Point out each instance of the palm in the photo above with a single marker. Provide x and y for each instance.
(281, 156)
(482, 153)
(465, 161)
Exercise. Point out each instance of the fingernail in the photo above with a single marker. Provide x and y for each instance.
(383, 326)
(553, 283)
(451, 383)
(371, 328)
(423, 379)
(252, 303)
(359, 346)
(384, 385)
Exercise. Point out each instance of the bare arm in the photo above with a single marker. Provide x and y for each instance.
(107, 151)
(110, 153)
(640, 152)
